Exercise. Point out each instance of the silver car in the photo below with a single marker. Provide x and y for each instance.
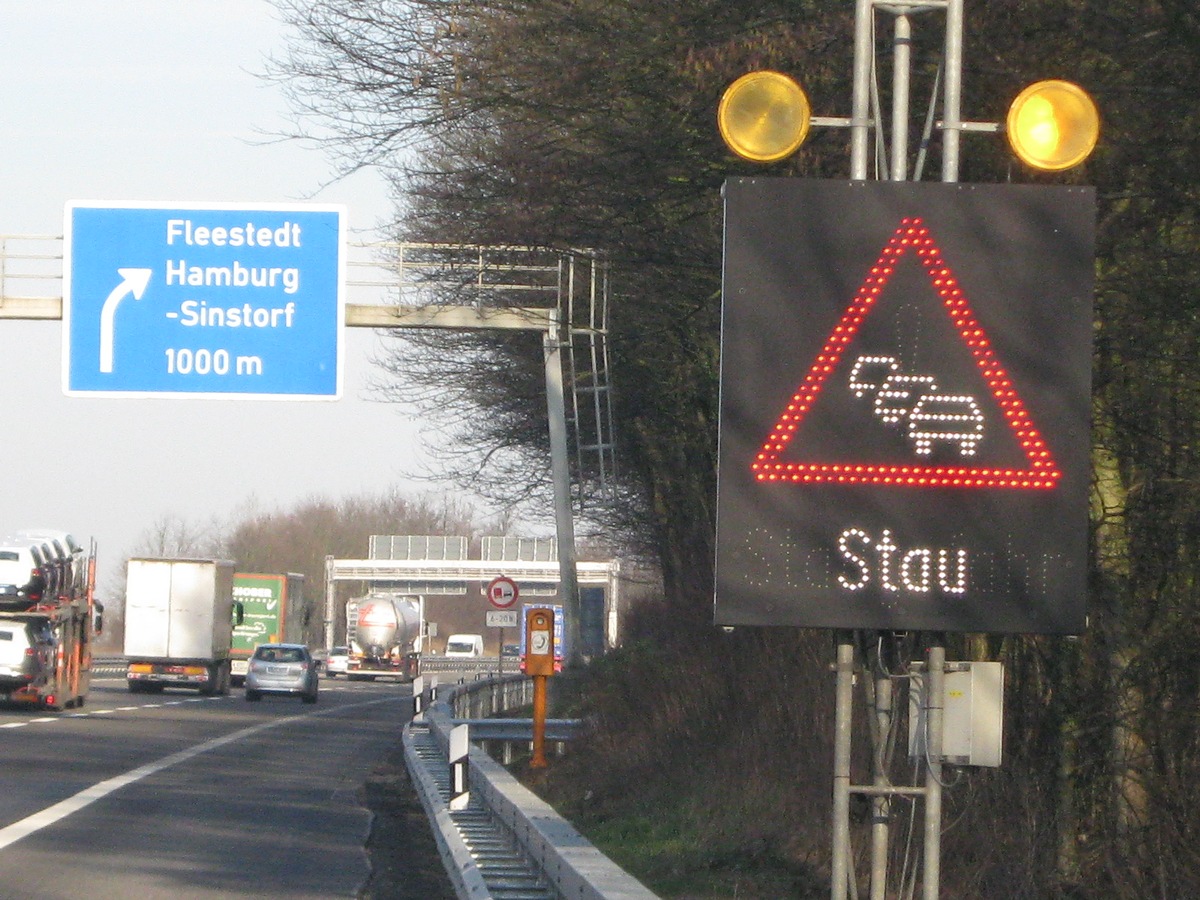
(282, 669)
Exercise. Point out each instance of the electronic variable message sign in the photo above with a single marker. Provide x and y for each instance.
(203, 300)
(905, 406)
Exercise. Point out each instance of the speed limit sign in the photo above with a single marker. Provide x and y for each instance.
(502, 592)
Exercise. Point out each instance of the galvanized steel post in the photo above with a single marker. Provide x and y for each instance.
(934, 694)
(568, 588)
(843, 717)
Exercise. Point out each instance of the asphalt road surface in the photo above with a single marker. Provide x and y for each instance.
(178, 796)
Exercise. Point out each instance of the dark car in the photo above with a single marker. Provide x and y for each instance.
(282, 669)
(510, 651)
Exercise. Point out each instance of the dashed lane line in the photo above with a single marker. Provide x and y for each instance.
(109, 710)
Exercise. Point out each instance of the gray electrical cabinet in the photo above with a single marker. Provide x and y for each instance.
(973, 714)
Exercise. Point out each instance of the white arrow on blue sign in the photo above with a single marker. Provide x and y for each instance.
(203, 300)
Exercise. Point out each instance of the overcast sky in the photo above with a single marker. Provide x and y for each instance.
(127, 100)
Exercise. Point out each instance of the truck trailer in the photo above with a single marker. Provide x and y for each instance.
(385, 633)
(179, 620)
(48, 615)
(272, 611)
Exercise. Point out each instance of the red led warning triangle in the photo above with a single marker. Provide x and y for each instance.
(911, 236)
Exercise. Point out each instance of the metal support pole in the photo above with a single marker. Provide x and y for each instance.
(329, 596)
(935, 680)
(556, 408)
(843, 713)
(901, 78)
(881, 805)
(952, 114)
(860, 111)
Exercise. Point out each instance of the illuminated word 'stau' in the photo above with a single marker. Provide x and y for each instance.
(919, 570)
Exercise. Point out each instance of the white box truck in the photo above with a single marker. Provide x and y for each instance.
(179, 619)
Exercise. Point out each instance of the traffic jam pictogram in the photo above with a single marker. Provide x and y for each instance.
(914, 401)
(905, 380)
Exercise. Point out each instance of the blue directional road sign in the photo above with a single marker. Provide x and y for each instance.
(203, 300)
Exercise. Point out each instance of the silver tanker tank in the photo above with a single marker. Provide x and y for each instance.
(384, 633)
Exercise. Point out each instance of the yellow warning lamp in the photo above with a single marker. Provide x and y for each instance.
(1053, 125)
(764, 116)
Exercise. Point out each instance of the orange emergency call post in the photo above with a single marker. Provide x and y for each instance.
(539, 663)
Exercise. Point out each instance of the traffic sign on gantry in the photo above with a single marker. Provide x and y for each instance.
(905, 382)
(203, 300)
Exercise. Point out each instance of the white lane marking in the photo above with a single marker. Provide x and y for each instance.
(51, 814)
(107, 712)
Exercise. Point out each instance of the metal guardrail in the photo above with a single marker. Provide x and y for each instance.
(482, 667)
(479, 666)
(564, 858)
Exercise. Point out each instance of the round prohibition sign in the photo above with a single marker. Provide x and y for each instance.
(502, 592)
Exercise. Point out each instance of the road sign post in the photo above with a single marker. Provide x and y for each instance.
(203, 300)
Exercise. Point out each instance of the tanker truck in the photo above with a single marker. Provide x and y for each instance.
(385, 634)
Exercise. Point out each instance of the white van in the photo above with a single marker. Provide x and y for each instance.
(464, 646)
